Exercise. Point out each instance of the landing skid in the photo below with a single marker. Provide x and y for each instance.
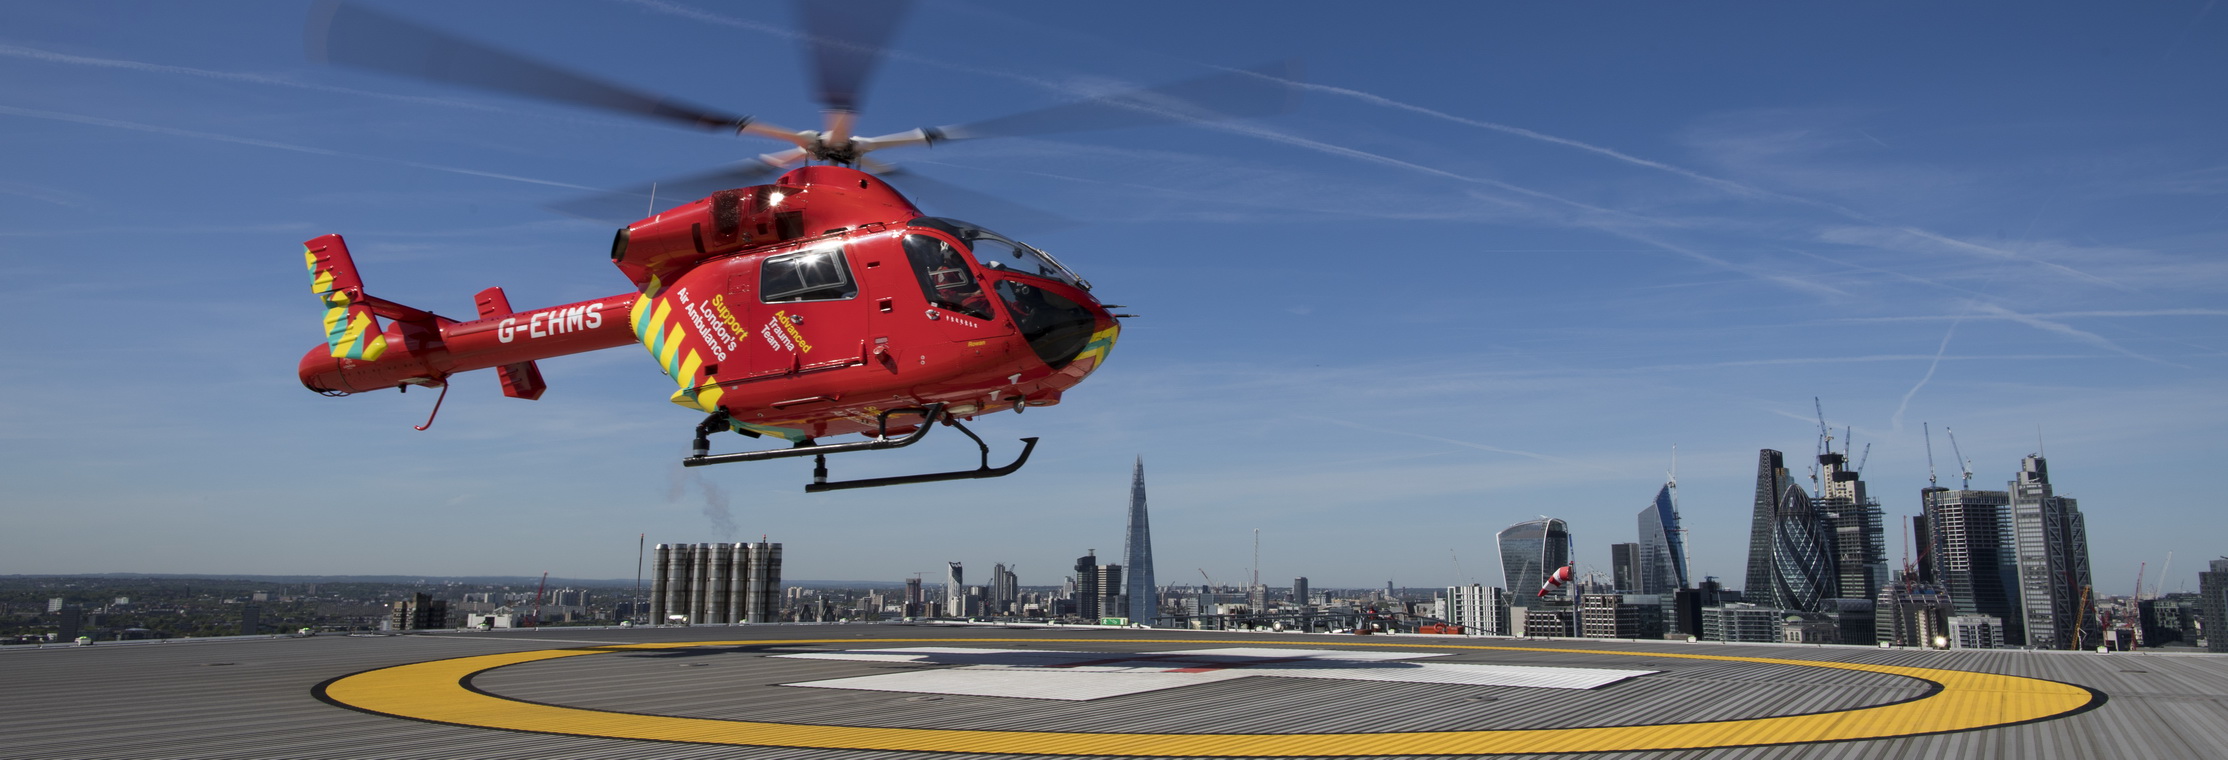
(930, 415)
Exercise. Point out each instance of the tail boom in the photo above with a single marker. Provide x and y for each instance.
(419, 347)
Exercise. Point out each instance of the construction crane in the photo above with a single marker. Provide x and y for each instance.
(1825, 445)
(1862, 457)
(538, 599)
(1965, 466)
(1923, 430)
(2135, 610)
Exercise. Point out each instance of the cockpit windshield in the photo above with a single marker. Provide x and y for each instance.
(1001, 253)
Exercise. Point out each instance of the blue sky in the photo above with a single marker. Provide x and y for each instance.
(1501, 260)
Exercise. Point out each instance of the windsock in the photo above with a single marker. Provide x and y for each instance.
(1559, 577)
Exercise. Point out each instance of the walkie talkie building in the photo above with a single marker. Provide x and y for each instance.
(1532, 549)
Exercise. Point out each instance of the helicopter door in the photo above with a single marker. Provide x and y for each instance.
(807, 315)
(958, 302)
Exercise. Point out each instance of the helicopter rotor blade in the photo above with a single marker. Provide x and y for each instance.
(1262, 90)
(947, 199)
(351, 35)
(846, 41)
(630, 204)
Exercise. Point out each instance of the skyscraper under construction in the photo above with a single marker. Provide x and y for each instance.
(716, 583)
(1859, 538)
(1968, 551)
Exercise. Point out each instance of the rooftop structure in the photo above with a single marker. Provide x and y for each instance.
(822, 693)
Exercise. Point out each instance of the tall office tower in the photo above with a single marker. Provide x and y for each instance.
(1086, 594)
(716, 583)
(2053, 554)
(1921, 535)
(1112, 602)
(1969, 548)
(914, 601)
(1624, 567)
(1771, 487)
(1144, 593)
(1802, 556)
(1860, 539)
(1476, 607)
(2212, 593)
(1005, 590)
(1300, 591)
(1662, 545)
(1532, 549)
(955, 590)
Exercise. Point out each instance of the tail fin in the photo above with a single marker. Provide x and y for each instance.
(520, 379)
(350, 328)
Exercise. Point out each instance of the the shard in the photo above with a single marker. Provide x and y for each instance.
(1137, 555)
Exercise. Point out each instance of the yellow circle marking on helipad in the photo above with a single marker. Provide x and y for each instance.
(434, 691)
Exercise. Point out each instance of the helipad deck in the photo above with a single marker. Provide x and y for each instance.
(904, 691)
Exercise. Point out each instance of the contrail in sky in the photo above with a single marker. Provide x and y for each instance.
(157, 68)
(2068, 331)
(1895, 421)
(273, 144)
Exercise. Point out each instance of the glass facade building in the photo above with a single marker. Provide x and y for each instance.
(1144, 593)
(1662, 546)
(1771, 486)
(1532, 549)
(2053, 555)
(1803, 575)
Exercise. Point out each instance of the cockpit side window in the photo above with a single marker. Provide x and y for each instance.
(996, 251)
(819, 275)
(945, 279)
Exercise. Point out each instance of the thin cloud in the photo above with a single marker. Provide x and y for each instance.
(1465, 444)
(43, 194)
(2114, 314)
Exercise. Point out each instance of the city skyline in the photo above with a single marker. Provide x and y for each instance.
(1415, 305)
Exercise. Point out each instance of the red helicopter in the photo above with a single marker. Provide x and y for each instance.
(821, 304)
